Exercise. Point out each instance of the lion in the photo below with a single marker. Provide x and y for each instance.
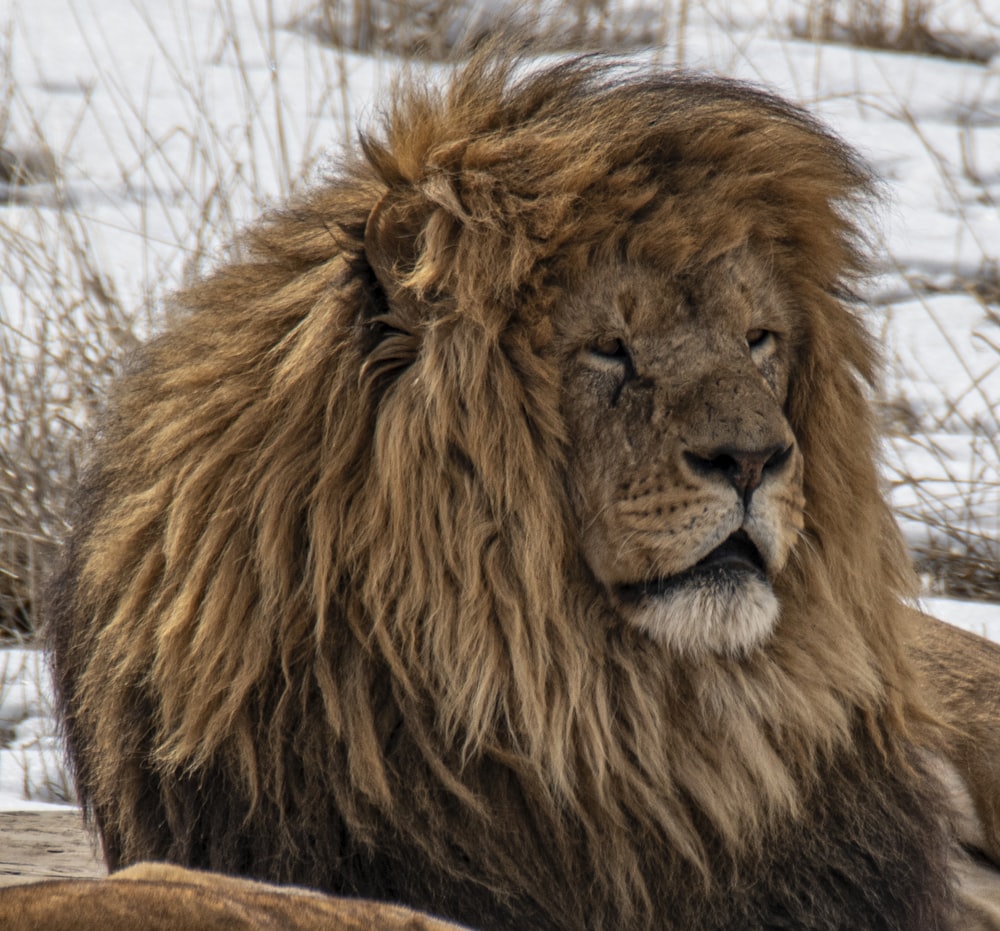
(498, 532)
(162, 897)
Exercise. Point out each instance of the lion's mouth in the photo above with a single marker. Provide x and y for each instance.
(736, 554)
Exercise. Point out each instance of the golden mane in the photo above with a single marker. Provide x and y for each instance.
(326, 548)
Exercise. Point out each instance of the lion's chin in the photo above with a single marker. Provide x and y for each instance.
(725, 612)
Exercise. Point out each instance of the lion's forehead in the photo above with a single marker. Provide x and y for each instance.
(671, 316)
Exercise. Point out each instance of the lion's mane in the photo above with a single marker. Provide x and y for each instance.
(323, 617)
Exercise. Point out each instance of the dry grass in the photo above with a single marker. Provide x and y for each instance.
(440, 29)
(952, 506)
(54, 363)
(56, 348)
(65, 323)
(74, 318)
(892, 25)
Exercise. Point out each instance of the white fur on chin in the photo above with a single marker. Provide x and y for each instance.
(728, 616)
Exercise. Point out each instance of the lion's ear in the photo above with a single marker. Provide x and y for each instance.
(411, 238)
(390, 245)
(391, 334)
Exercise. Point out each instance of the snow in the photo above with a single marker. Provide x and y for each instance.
(174, 122)
(32, 774)
(976, 616)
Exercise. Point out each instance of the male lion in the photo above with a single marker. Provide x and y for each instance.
(500, 534)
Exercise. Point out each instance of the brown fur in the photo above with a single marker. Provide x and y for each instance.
(325, 617)
(963, 672)
(160, 897)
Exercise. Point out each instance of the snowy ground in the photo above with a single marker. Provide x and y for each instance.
(173, 123)
(31, 770)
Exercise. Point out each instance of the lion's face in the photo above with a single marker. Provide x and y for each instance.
(684, 472)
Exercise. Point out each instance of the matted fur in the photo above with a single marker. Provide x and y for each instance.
(324, 616)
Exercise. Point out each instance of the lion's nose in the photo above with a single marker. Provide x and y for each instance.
(744, 469)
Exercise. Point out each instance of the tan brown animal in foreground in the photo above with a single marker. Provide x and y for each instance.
(500, 534)
(161, 897)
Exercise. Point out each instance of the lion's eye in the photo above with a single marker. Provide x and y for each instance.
(611, 350)
(757, 338)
